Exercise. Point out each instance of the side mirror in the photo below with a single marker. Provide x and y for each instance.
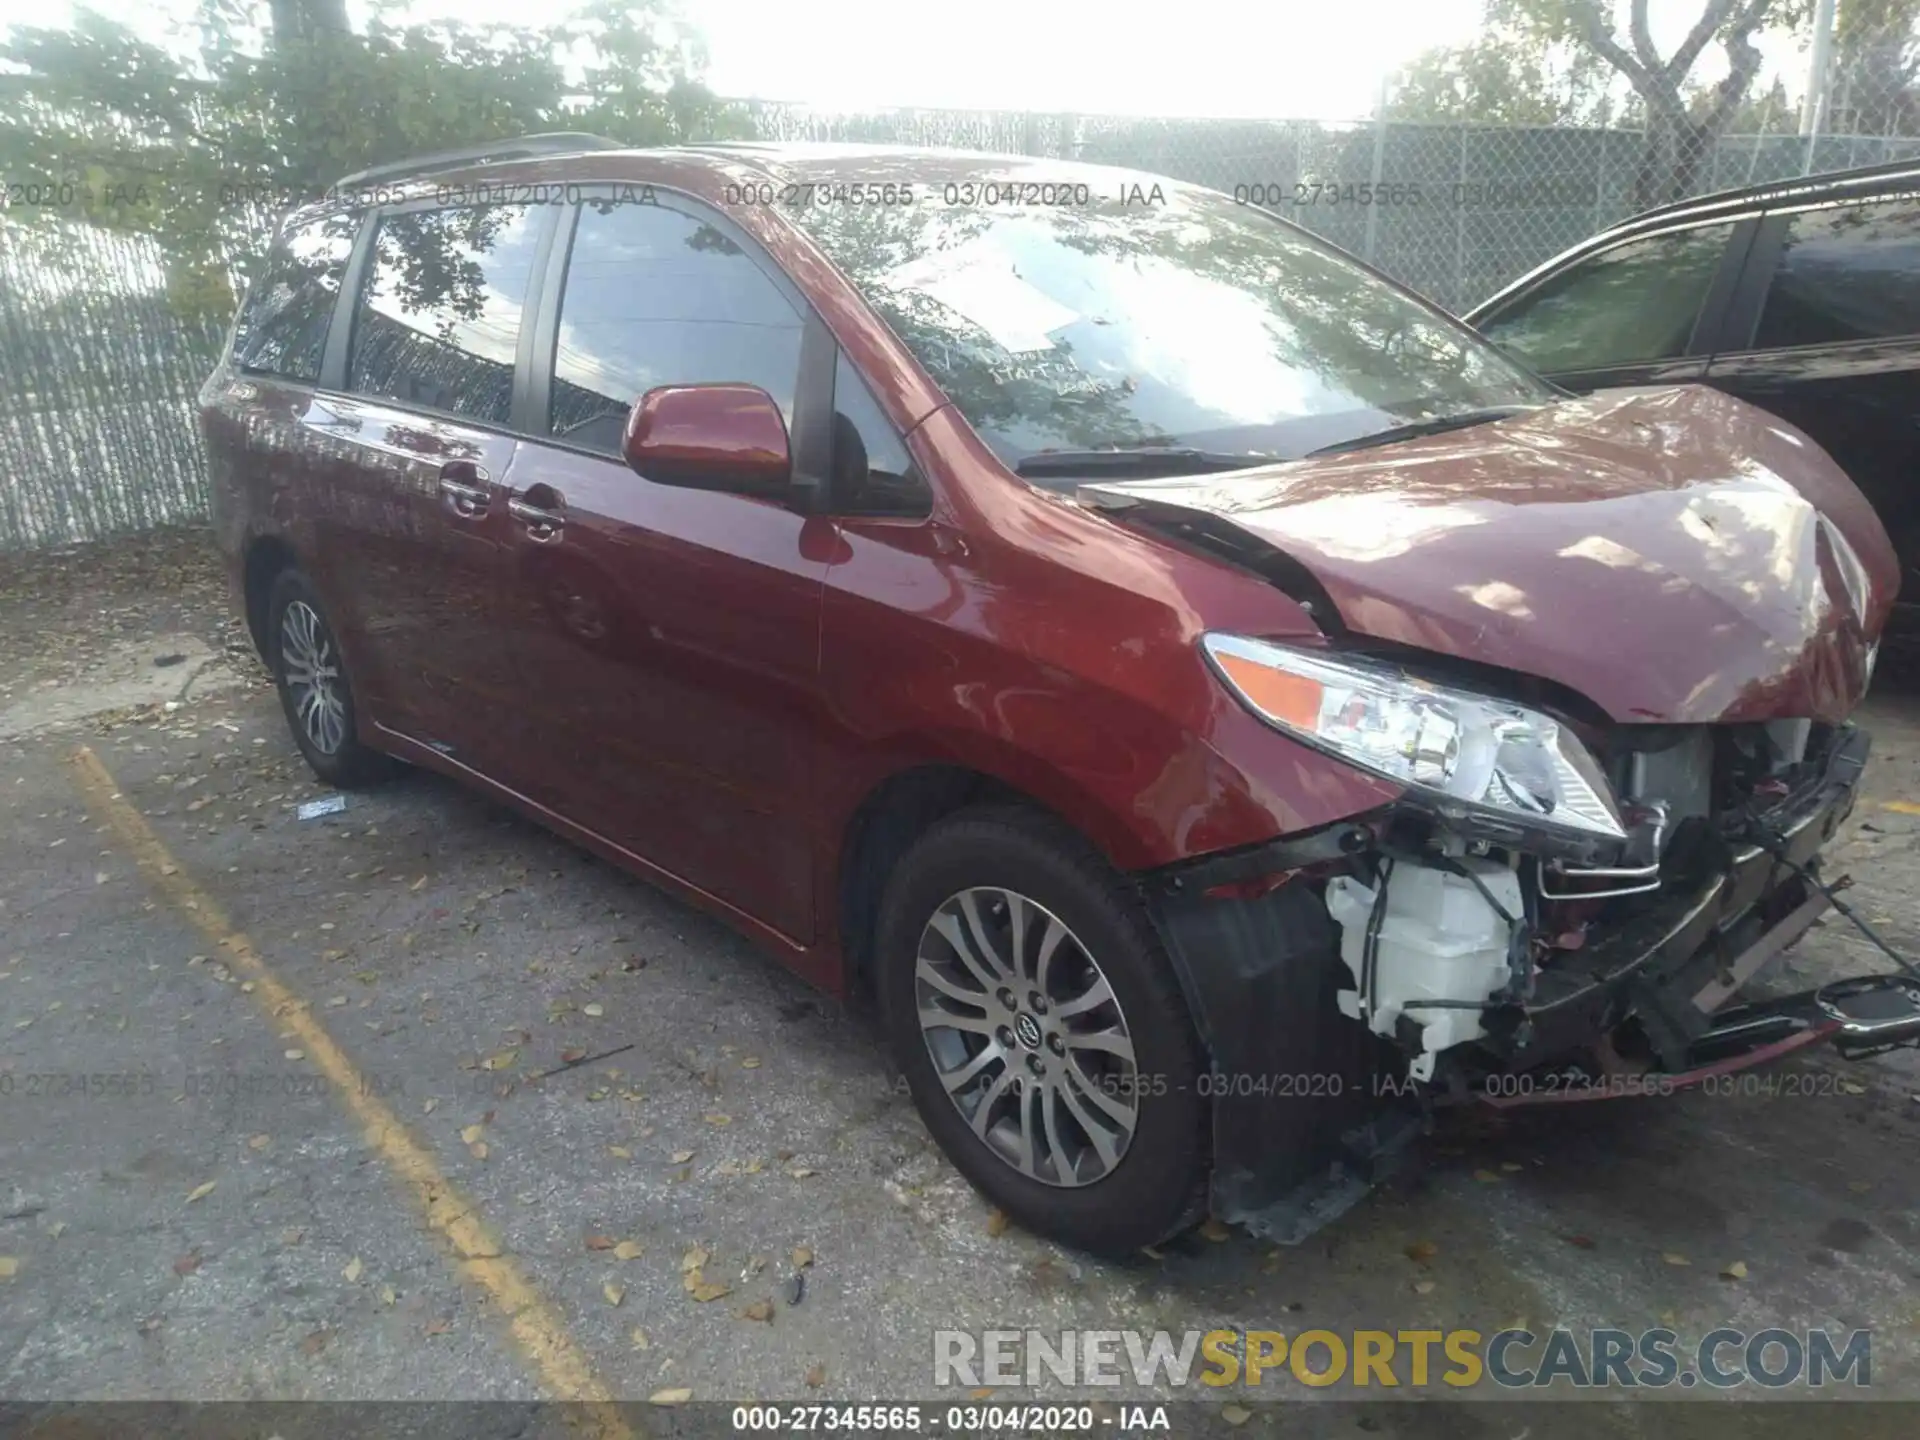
(710, 437)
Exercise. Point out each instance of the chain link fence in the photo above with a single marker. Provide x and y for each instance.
(97, 374)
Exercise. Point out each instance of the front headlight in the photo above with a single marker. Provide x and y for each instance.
(1468, 752)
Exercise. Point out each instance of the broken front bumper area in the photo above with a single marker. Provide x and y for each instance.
(1311, 1109)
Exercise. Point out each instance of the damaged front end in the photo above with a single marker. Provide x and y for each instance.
(1573, 920)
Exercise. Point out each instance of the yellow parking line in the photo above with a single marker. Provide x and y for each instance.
(535, 1326)
(1902, 807)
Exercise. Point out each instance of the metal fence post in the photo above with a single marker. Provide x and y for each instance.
(1379, 168)
(1459, 297)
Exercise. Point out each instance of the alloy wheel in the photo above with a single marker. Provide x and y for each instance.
(1027, 1036)
(312, 675)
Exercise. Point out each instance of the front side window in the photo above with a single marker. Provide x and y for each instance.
(438, 322)
(1186, 321)
(655, 296)
(1631, 305)
(283, 325)
(1847, 273)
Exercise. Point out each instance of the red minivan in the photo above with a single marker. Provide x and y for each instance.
(1216, 705)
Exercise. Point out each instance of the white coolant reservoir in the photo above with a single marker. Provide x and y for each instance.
(1439, 939)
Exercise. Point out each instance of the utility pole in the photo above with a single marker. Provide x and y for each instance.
(1813, 114)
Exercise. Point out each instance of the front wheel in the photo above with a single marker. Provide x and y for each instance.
(1042, 1033)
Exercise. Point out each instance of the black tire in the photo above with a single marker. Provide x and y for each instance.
(1158, 1185)
(341, 759)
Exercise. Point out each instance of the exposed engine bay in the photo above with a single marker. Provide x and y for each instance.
(1450, 943)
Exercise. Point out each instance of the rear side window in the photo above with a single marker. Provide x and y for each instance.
(438, 322)
(659, 297)
(1849, 273)
(1629, 305)
(283, 325)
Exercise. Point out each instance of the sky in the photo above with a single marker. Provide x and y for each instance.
(1277, 59)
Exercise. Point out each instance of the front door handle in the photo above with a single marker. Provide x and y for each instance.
(541, 523)
(463, 486)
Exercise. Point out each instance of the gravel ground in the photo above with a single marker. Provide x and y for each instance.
(220, 1219)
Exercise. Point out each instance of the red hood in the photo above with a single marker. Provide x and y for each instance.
(1669, 553)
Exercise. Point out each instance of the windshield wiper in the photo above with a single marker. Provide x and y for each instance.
(1142, 460)
(1462, 421)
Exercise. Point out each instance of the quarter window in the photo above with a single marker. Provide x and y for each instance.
(872, 472)
(656, 296)
(283, 325)
(1847, 273)
(1630, 305)
(439, 320)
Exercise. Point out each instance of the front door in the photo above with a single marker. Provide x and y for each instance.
(667, 639)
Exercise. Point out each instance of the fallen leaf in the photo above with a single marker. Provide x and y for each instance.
(1853, 1087)
(419, 884)
(629, 1250)
(600, 1242)
(200, 1192)
(1860, 1187)
(1235, 1414)
(681, 1157)
(801, 1172)
(437, 1327)
(500, 1061)
(292, 1235)
(1673, 1259)
(429, 1106)
(1153, 1254)
(715, 1118)
(9, 1267)
(1423, 1287)
(1422, 1251)
(620, 1152)
(567, 1057)
(314, 1343)
(352, 1272)
(752, 1062)
(679, 1395)
(187, 1263)
(702, 1289)
(1510, 1167)
(694, 1259)
(802, 1257)
(761, 1310)
(259, 1142)
(639, 1338)
(296, 1054)
(596, 1009)
(614, 1293)
(1215, 1231)
(997, 1223)
(1736, 1271)
(1486, 1177)
(816, 1376)
(388, 1296)
(478, 1149)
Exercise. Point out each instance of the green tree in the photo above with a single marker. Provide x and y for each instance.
(1875, 82)
(199, 151)
(1682, 121)
(1505, 77)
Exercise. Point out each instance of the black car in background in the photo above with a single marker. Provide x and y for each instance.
(1802, 297)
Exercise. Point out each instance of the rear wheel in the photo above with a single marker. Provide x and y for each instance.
(1042, 1033)
(314, 689)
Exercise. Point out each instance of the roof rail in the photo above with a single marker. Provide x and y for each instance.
(1861, 177)
(550, 143)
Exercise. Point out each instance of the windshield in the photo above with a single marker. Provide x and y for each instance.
(1187, 320)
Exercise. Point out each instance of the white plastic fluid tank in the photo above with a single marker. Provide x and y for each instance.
(1439, 940)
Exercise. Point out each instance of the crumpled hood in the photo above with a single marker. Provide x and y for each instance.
(1673, 554)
